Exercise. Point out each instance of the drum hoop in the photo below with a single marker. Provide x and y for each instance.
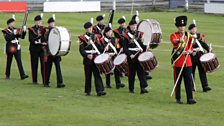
(151, 26)
(207, 60)
(142, 54)
(99, 55)
(121, 62)
(69, 46)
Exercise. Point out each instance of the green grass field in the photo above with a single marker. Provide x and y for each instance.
(24, 104)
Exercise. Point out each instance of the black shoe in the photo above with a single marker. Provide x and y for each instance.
(61, 85)
(46, 85)
(191, 101)
(108, 86)
(101, 93)
(205, 89)
(178, 101)
(148, 77)
(7, 78)
(131, 91)
(35, 83)
(120, 85)
(24, 77)
(143, 91)
(88, 94)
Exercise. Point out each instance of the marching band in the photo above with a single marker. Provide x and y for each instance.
(105, 51)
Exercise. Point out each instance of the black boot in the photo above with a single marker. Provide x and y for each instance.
(24, 77)
(178, 101)
(143, 91)
(191, 101)
(206, 89)
(60, 85)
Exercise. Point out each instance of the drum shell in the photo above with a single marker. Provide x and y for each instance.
(210, 65)
(149, 64)
(122, 67)
(105, 67)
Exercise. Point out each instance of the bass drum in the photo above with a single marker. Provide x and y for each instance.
(59, 41)
(152, 32)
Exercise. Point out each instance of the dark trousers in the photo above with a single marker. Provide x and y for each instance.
(17, 56)
(56, 60)
(133, 68)
(187, 75)
(89, 70)
(35, 56)
(202, 74)
(116, 76)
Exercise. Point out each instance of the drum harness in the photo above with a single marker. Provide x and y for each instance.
(139, 48)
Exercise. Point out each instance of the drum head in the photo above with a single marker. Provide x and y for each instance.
(101, 58)
(207, 57)
(54, 41)
(59, 41)
(120, 59)
(145, 56)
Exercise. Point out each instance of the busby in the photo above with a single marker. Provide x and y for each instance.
(87, 25)
(181, 21)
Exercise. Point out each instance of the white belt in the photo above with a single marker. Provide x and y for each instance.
(14, 41)
(133, 49)
(91, 51)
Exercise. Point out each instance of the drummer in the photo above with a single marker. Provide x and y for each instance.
(112, 51)
(88, 53)
(99, 27)
(136, 18)
(132, 51)
(195, 57)
(53, 59)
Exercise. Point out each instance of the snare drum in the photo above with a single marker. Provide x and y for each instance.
(152, 32)
(59, 41)
(121, 63)
(104, 63)
(209, 62)
(148, 61)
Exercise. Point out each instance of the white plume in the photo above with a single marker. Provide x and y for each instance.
(53, 15)
(91, 20)
(41, 15)
(14, 16)
(194, 21)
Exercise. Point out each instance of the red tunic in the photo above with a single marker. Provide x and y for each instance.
(180, 61)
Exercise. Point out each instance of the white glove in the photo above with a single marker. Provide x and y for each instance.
(24, 28)
(15, 32)
(194, 36)
(18, 47)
